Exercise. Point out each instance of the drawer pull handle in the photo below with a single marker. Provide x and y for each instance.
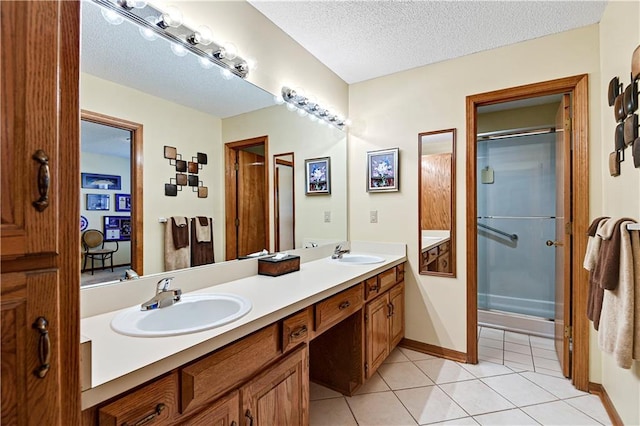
(298, 332)
(44, 347)
(159, 408)
(249, 417)
(233, 423)
(44, 179)
(344, 305)
(390, 307)
(374, 288)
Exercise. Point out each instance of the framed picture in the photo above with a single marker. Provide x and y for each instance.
(117, 228)
(95, 181)
(97, 201)
(382, 170)
(317, 176)
(123, 202)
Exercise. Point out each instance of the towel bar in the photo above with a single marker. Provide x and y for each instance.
(633, 226)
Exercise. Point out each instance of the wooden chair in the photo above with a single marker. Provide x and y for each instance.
(94, 248)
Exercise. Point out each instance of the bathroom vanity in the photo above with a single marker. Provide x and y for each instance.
(330, 323)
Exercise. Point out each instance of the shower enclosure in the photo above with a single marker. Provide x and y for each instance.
(516, 196)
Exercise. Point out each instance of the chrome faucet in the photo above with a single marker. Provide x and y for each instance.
(339, 251)
(164, 297)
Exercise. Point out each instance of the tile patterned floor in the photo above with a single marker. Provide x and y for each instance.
(517, 382)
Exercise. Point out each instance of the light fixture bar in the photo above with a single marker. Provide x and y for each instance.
(179, 35)
(303, 103)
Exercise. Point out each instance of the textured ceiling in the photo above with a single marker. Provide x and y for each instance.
(360, 40)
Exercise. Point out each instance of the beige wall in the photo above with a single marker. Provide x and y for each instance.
(391, 111)
(165, 123)
(619, 36)
(288, 132)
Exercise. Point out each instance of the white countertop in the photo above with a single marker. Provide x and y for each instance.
(120, 362)
(432, 238)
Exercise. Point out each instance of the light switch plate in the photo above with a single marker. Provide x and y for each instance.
(373, 216)
(327, 217)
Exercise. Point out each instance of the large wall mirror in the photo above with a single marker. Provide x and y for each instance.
(130, 75)
(436, 209)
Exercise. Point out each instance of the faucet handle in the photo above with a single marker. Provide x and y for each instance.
(164, 284)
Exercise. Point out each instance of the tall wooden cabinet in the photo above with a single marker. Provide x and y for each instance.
(39, 232)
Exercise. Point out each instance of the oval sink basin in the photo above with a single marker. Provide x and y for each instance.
(193, 313)
(359, 259)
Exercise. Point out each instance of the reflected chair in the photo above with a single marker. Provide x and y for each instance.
(93, 244)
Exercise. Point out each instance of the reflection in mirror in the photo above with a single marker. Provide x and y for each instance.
(284, 202)
(183, 105)
(436, 210)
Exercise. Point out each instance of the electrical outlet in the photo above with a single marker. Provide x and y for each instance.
(373, 216)
(327, 217)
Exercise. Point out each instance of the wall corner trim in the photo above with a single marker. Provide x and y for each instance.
(434, 350)
(601, 392)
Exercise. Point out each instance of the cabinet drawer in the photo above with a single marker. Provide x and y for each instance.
(444, 247)
(338, 307)
(432, 254)
(400, 272)
(156, 403)
(387, 279)
(371, 288)
(297, 328)
(210, 377)
(444, 265)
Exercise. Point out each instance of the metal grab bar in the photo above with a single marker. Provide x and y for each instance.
(512, 237)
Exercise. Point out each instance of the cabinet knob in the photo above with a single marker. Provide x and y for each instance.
(344, 305)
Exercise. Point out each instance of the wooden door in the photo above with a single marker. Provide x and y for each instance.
(39, 69)
(224, 412)
(396, 326)
(251, 201)
(562, 242)
(280, 395)
(376, 333)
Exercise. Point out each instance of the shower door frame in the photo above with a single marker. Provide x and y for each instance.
(577, 86)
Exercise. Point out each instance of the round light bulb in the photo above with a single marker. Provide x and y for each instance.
(279, 100)
(203, 35)
(313, 117)
(291, 107)
(147, 33)
(205, 62)
(172, 17)
(226, 74)
(302, 112)
(112, 17)
(230, 51)
(138, 4)
(178, 49)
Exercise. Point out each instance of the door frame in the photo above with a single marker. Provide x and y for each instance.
(578, 86)
(136, 163)
(276, 196)
(230, 193)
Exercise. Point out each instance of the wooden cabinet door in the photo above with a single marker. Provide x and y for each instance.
(280, 395)
(26, 398)
(224, 412)
(376, 333)
(396, 326)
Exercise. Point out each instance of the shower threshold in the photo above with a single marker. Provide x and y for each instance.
(518, 323)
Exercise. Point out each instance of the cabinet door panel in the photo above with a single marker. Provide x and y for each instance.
(377, 333)
(224, 412)
(280, 395)
(396, 327)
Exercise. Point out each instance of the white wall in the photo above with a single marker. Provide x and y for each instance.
(289, 132)
(107, 165)
(165, 123)
(390, 112)
(619, 36)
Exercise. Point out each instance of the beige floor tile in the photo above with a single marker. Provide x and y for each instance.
(443, 370)
(542, 342)
(549, 364)
(519, 358)
(492, 333)
(396, 356)
(465, 421)
(373, 384)
(518, 390)
(519, 338)
(591, 406)
(544, 353)
(317, 391)
(491, 343)
(518, 348)
(383, 409)
(330, 412)
(517, 367)
(506, 418)
(554, 373)
(475, 397)
(415, 355)
(558, 413)
(490, 359)
(486, 369)
(486, 352)
(562, 388)
(402, 375)
(430, 404)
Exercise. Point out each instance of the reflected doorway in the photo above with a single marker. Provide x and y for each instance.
(284, 202)
(111, 147)
(246, 197)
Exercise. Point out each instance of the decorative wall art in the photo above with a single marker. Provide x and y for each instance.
(317, 176)
(84, 223)
(123, 202)
(382, 170)
(97, 181)
(117, 228)
(97, 202)
(187, 173)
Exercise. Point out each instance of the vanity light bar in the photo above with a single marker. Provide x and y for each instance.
(312, 108)
(181, 35)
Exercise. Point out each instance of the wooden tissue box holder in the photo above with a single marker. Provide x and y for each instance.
(276, 267)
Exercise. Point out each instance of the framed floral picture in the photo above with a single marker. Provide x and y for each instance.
(382, 170)
(317, 176)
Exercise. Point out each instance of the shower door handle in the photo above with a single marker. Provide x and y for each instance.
(554, 243)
